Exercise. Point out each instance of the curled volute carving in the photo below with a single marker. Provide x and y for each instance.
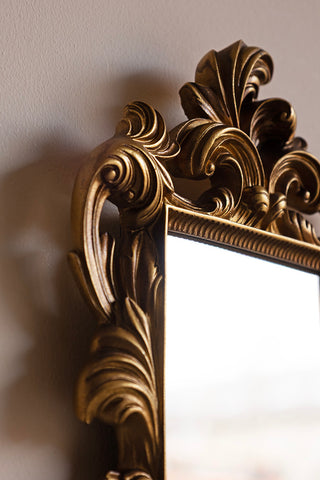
(118, 384)
(259, 176)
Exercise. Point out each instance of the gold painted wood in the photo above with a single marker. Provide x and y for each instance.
(243, 238)
(262, 181)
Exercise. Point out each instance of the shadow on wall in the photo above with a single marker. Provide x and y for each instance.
(149, 87)
(47, 327)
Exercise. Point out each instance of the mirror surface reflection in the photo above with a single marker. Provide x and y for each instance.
(242, 367)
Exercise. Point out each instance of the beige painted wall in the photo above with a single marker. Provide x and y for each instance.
(67, 69)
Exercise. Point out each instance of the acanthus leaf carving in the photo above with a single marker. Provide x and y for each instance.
(227, 156)
(224, 80)
(225, 94)
(260, 178)
(118, 385)
(119, 382)
(297, 176)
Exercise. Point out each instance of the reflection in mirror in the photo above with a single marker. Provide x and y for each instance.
(242, 367)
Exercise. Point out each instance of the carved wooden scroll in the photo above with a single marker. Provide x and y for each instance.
(261, 178)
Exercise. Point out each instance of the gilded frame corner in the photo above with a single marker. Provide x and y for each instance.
(262, 182)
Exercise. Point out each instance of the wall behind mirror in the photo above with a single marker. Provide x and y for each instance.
(242, 366)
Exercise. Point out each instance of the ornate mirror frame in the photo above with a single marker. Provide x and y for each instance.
(261, 181)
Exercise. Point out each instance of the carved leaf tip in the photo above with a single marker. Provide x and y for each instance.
(82, 277)
(224, 80)
(297, 176)
(119, 381)
(144, 124)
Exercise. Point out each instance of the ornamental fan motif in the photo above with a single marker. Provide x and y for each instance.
(266, 153)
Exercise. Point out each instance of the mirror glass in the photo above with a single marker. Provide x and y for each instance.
(242, 367)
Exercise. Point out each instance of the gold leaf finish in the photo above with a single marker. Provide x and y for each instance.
(261, 182)
(244, 238)
(118, 384)
(119, 381)
(224, 80)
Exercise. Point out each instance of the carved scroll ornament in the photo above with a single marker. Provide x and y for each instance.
(260, 176)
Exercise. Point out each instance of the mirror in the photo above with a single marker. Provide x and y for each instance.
(242, 366)
(259, 184)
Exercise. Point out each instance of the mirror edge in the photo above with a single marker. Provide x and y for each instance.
(245, 239)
